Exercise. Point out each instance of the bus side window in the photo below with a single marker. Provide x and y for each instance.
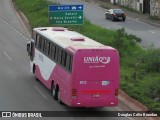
(53, 52)
(37, 40)
(47, 48)
(59, 56)
(56, 53)
(63, 59)
(70, 65)
(50, 51)
(40, 42)
(44, 45)
(69, 62)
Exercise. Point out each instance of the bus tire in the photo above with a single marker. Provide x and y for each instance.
(54, 92)
(58, 97)
(34, 72)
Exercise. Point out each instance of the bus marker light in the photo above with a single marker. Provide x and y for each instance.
(116, 92)
(74, 93)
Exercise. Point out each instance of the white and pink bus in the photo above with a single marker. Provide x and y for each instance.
(79, 71)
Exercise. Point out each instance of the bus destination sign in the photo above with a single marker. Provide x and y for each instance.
(66, 14)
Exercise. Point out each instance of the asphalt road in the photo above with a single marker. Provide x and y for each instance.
(18, 89)
(148, 33)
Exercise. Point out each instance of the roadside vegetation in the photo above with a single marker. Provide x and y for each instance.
(154, 18)
(140, 68)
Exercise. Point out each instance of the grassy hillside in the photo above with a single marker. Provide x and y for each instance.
(140, 69)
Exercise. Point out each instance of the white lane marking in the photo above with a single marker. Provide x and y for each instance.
(19, 34)
(9, 58)
(14, 29)
(5, 21)
(152, 31)
(45, 97)
(20, 19)
(118, 109)
(27, 39)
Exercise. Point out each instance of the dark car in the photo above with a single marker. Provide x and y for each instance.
(115, 14)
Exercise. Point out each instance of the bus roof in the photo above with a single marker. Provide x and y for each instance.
(67, 38)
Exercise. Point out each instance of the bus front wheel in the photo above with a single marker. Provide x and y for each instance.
(54, 93)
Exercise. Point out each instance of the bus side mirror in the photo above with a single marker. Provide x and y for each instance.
(29, 47)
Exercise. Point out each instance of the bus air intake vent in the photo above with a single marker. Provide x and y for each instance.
(58, 29)
(43, 29)
(77, 39)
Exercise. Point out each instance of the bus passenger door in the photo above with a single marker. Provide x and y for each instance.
(30, 49)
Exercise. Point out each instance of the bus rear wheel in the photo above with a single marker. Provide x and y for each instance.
(34, 72)
(54, 93)
(58, 97)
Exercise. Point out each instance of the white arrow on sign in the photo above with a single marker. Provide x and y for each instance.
(80, 17)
